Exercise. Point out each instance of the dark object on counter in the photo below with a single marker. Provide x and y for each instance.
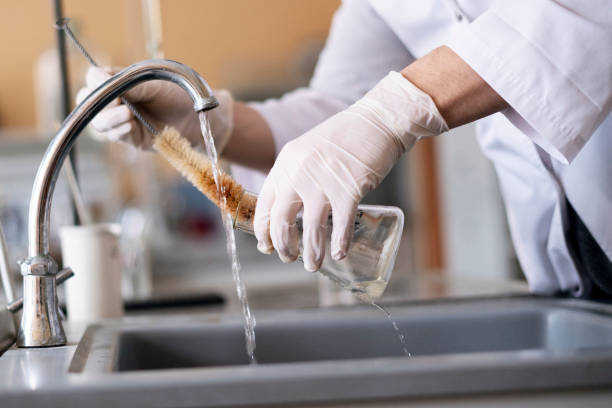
(592, 263)
(174, 302)
(171, 302)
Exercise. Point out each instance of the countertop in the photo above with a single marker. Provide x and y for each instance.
(46, 370)
(35, 377)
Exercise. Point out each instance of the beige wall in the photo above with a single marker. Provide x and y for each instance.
(231, 42)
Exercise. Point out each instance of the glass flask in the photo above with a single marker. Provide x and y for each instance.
(368, 264)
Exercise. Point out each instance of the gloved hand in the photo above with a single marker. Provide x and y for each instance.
(332, 167)
(162, 103)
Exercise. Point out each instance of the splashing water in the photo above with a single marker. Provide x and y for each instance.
(249, 319)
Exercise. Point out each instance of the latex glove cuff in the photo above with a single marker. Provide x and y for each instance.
(402, 110)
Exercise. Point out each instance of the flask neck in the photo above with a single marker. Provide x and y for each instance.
(245, 213)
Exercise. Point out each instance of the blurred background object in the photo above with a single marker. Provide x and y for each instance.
(174, 246)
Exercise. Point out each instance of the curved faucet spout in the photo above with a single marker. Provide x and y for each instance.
(40, 324)
(49, 169)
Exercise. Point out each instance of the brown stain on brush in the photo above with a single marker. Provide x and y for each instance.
(197, 169)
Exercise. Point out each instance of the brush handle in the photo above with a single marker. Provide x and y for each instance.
(62, 24)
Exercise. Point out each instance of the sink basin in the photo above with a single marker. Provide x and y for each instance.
(341, 338)
(460, 346)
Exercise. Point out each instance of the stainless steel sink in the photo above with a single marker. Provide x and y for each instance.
(336, 338)
(461, 346)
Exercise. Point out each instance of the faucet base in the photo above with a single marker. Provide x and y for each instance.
(40, 323)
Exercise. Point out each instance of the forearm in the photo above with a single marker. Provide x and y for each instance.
(251, 143)
(459, 93)
(262, 129)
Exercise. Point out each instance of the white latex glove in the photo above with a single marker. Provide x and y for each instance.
(332, 167)
(163, 104)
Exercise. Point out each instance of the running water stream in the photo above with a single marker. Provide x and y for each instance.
(367, 298)
(249, 319)
(400, 336)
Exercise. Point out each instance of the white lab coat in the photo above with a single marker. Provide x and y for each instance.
(550, 60)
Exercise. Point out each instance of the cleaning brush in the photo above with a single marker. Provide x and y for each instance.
(230, 197)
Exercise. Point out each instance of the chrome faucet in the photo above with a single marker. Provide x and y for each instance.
(40, 325)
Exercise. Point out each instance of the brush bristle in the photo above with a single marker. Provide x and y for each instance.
(197, 168)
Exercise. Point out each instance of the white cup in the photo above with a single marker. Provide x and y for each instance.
(92, 251)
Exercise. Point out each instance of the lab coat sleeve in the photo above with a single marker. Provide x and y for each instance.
(551, 61)
(360, 50)
(288, 117)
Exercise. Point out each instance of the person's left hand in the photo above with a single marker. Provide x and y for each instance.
(163, 103)
(332, 167)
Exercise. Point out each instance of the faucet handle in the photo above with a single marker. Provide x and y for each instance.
(61, 277)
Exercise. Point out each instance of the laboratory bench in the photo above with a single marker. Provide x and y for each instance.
(195, 357)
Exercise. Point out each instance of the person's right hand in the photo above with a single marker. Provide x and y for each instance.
(162, 103)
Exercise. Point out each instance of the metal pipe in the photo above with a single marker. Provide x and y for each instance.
(77, 197)
(62, 60)
(62, 57)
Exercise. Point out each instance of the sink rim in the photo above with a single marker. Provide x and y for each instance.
(423, 375)
(107, 334)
